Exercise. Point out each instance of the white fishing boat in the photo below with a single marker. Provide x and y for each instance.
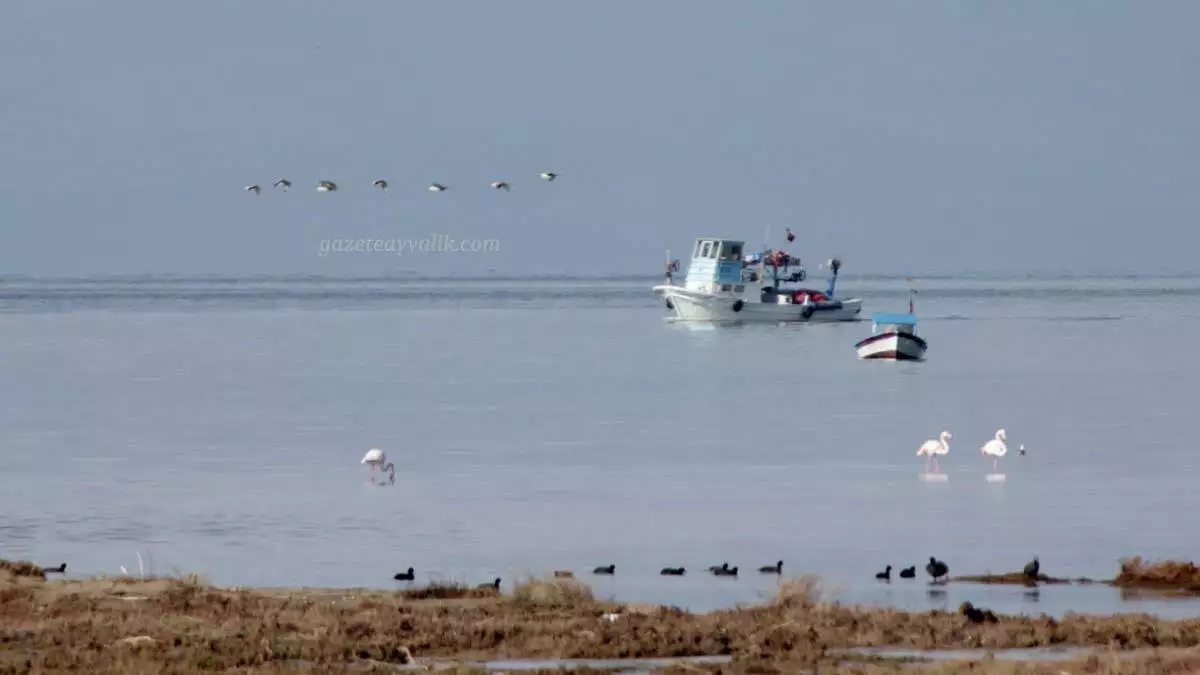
(894, 338)
(723, 285)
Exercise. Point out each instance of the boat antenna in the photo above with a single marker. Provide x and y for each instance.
(911, 292)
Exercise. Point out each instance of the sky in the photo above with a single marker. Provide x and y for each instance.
(905, 138)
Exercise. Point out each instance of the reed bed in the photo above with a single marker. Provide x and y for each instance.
(1166, 574)
(184, 625)
(1017, 578)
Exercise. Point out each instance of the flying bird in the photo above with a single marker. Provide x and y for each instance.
(500, 185)
(377, 459)
(326, 186)
(381, 184)
(996, 449)
(283, 183)
(548, 175)
(437, 187)
(253, 188)
(932, 449)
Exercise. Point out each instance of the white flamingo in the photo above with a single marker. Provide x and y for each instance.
(437, 187)
(283, 183)
(381, 184)
(378, 460)
(326, 186)
(500, 185)
(996, 449)
(253, 188)
(547, 175)
(932, 449)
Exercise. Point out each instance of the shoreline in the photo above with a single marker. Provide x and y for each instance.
(184, 625)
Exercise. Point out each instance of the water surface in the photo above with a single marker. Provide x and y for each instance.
(216, 425)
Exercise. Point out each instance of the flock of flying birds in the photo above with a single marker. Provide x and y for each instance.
(330, 186)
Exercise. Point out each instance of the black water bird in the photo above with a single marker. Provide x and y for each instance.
(777, 568)
(1032, 568)
(885, 575)
(61, 569)
(977, 615)
(673, 571)
(495, 585)
(609, 569)
(908, 572)
(405, 576)
(936, 568)
(727, 572)
(719, 568)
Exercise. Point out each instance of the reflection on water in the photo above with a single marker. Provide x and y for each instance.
(625, 665)
(1033, 653)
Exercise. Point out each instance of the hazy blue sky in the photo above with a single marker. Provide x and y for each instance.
(913, 137)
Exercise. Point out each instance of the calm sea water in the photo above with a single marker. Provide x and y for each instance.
(216, 426)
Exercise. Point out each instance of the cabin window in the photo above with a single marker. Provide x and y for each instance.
(735, 251)
(696, 251)
(706, 250)
(725, 287)
(739, 289)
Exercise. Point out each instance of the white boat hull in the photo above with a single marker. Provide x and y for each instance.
(727, 308)
(892, 347)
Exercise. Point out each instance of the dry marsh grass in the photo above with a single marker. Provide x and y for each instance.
(1016, 578)
(1166, 574)
(1135, 573)
(21, 568)
(183, 625)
